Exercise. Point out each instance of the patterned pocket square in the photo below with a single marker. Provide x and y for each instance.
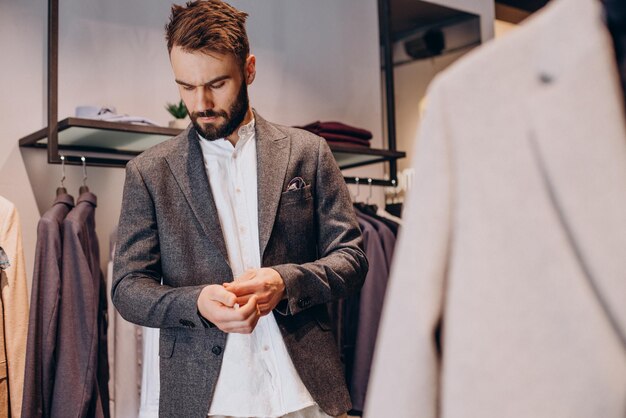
(296, 183)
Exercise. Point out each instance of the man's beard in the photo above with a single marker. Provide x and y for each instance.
(233, 118)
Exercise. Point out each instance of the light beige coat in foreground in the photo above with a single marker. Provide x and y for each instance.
(13, 310)
(515, 235)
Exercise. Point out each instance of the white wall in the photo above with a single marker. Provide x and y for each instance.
(316, 60)
(411, 83)
(22, 85)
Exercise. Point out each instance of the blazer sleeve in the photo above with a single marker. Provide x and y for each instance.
(15, 303)
(408, 353)
(137, 292)
(342, 265)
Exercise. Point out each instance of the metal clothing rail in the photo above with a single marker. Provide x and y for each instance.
(371, 182)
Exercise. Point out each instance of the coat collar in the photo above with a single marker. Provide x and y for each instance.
(578, 133)
(272, 160)
(187, 167)
(88, 197)
(64, 199)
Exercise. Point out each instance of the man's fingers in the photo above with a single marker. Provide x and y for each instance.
(242, 300)
(241, 320)
(250, 308)
(225, 297)
(242, 313)
(264, 309)
(243, 288)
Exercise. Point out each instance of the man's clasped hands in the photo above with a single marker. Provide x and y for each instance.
(237, 306)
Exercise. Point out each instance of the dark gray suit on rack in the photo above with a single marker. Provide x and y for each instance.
(81, 375)
(169, 230)
(44, 304)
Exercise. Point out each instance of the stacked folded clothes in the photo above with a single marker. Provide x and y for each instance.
(340, 134)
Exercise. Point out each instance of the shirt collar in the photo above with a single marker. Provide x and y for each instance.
(245, 133)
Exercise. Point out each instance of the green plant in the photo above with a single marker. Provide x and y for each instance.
(178, 110)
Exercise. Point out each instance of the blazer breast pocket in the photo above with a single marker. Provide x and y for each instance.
(295, 220)
(292, 197)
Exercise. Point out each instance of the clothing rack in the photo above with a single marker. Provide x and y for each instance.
(371, 182)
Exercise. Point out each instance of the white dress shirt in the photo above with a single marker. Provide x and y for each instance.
(257, 378)
(150, 383)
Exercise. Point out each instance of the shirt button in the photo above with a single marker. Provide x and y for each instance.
(238, 190)
(265, 348)
(242, 229)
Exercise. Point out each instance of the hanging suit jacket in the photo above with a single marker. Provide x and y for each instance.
(14, 312)
(44, 310)
(361, 315)
(510, 273)
(81, 375)
(371, 301)
(169, 230)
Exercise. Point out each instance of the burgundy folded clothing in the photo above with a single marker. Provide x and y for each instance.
(337, 128)
(344, 138)
(348, 144)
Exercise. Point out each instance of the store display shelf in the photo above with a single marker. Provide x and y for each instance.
(112, 144)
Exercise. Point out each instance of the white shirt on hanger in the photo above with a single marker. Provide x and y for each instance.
(257, 378)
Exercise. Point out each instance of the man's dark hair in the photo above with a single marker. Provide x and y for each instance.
(208, 26)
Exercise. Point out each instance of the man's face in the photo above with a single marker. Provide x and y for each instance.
(214, 90)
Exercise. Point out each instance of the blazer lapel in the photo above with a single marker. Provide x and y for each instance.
(190, 174)
(579, 137)
(272, 159)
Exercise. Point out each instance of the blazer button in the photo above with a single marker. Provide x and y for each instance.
(304, 302)
(217, 350)
(187, 323)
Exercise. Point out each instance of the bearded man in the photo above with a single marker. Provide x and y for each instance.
(233, 237)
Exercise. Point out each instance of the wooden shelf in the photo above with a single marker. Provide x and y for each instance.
(113, 144)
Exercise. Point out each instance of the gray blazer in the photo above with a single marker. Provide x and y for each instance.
(169, 230)
(81, 371)
(43, 320)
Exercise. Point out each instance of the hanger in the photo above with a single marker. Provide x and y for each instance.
(365, 207)
(62, 190)
(84, 188)
(394, 198)
(356, 196)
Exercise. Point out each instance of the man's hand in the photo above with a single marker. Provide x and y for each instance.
(265, 284)
(217, 305)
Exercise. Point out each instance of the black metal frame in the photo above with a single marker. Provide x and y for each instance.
(53, 82)
(389, 155)
(384, 19)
